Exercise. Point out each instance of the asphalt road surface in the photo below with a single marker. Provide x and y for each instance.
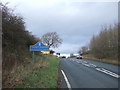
(81, 73)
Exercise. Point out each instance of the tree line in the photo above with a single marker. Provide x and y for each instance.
(15, 38)
(105, 44)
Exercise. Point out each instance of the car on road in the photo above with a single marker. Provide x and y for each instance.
(79, 57)
(63, 57)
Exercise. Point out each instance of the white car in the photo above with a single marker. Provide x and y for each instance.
(79, 57)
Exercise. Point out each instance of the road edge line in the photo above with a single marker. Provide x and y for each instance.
(66, 80)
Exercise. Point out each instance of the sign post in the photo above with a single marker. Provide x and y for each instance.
(46, 57)
(39, 47)
(33, 56)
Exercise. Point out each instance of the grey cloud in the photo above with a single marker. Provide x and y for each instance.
(75, 22)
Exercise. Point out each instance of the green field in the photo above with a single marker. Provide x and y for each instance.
(41, 74)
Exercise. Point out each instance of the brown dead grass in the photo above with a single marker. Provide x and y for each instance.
(14, 78)
(110, 61)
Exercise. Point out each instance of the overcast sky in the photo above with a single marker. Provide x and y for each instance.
(74, 21)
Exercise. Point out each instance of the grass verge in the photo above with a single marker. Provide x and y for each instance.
(42, 77)
(41, 74)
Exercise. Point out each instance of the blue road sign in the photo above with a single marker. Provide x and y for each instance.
(39, 47)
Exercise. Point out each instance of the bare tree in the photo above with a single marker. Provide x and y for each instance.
(84, 50)
(105, 44)
(51, 39)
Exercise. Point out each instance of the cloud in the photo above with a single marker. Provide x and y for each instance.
(75, 22)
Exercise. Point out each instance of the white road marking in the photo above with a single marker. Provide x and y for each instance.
(84, 61)
(77, 61)
(86, 64)
(81, 60)
(93, 65)
(98, 69)
(102, 70)
(66, 80)
(108, 72)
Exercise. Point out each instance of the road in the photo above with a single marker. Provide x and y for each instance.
(82, 73)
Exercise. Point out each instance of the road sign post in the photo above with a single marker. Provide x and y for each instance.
(46, 57)
(33, 57)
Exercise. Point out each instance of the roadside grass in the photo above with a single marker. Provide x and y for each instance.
(114, 62)
(41, 74)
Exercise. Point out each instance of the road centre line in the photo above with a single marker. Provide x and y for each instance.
(66, 80)
(77, 61)
(101, 69)
(108, 72)
(86, 64)
(93, 65)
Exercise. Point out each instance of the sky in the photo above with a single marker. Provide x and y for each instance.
(74, 21)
